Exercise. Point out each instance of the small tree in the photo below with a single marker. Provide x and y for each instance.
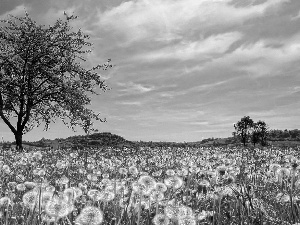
(41, 77)
(255, 136)
(262, 130)
(243, 129)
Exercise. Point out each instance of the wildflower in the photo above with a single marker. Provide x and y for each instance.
(229, 179)
(94, 194)
(297, 184)
(203, 185)
(69, 194)
(170, 172)
(41, 173)
(171, 211)
(139, 188)
(187, 221)
(11, 185)
(290, 158)
(73, 155)
(226, 191)
(5, 201)
(63, 180)
(156, 196)
(50, 188)
(46, 196)
(283, 198)
(123, 202)
(105, 176)
(38, 155)
(123, 171)
(29, 184)
(46, 218)
(89, 216)
(174, 182)
(106, 196)
(185, 172)
(6, 169)
(58, 208)
(92, 177)
(161, 219)
(20, 178)
(60, 164)
(98, 172)
(283, 172)
(147, 181)
(30, 199)
(184, 212)
(90, 166)
(160, 187)
(179, 172)
(77, 192)
(274, 167)
(133, 170)
(221, 170)
(83, 187)
(157, 173)
(21, 187)
(194, 169)
(205, 214)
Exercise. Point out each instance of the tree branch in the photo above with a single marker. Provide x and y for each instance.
(3, 116)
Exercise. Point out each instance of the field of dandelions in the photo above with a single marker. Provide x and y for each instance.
(151, 186)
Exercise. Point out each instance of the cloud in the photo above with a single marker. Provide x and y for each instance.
(130, 88)
(205, 49)
(17, 11)
(171, 20)
(262, 58)
(129, 103)
(296, 17)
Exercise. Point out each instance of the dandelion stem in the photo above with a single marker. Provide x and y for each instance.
(139, 212)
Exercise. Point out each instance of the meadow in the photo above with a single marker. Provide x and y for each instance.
(178, 186)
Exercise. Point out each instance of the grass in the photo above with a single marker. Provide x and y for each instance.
(151, 186)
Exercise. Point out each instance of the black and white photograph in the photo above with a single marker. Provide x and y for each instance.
(140, 112)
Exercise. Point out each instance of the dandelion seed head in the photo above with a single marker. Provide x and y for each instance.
(89, 216)
(5, 201)
(58, 208)
(187, 221)
(171, 211)
(30, 199)
(21, 187)
(174, 182)
(160, 187)
(161, 219)
(106, 196)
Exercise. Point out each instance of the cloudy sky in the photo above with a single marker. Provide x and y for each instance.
(185, 69)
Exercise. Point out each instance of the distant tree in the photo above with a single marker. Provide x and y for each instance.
(262, 128)
(243, 129)
(255, 134)
(41, 77)
(259, 133)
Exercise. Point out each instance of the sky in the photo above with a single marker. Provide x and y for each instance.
(184, 69)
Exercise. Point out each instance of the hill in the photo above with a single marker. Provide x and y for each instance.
(286, 138)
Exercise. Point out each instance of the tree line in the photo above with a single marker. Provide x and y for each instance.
(284, 135)
(248, 131)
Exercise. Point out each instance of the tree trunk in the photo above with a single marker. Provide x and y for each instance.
(18, 138)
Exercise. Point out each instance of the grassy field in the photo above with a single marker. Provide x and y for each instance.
(151, 186)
